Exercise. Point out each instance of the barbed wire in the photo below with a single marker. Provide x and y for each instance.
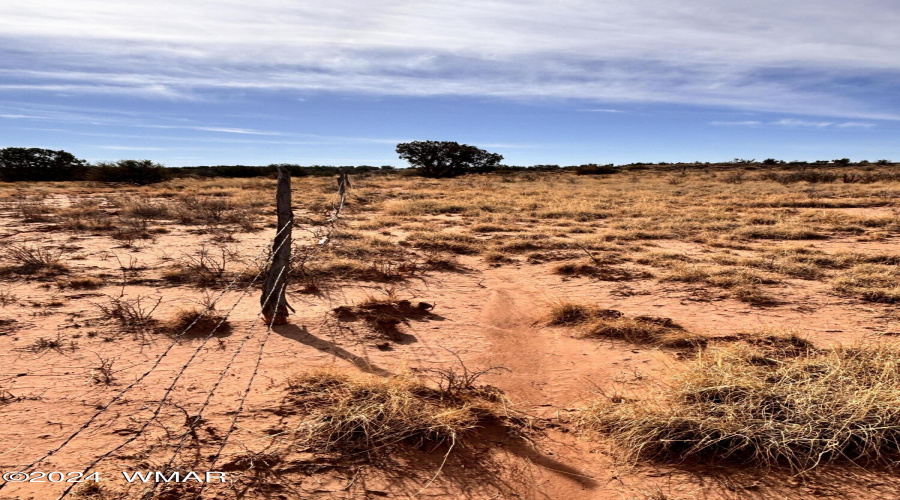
(169, 389)
(196, 420)
(158, 360)
(240, 408)
(343, 185)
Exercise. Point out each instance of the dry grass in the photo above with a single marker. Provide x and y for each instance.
(30, 259)
(870, 282)
(777, 404)
(198, 322)
(131, 313)
(81, 283)
(371, 415)
(596, 322)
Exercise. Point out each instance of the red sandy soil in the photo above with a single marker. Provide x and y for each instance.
(488, 316)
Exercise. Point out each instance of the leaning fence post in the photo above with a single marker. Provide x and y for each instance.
(275, 309)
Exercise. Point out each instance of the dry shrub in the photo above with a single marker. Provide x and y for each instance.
(81, 283)
(596, 322)
(35, 259)
(353, 414)
(871, 282)
(783, 405)
(570, 313)
(33, 210)
(198, 323)
(129, 229)
(743, 284)
(205, 267)
(132, 314)
(58, 344)
(84, 215)
(662, 332)
(496, 258)
(457, 243)
(778, 232)
(213, 212)
(142, 208)
(603, 273)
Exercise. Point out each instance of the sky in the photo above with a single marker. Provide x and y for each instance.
(225, 82)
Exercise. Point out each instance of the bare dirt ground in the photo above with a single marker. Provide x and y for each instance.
(487, 255)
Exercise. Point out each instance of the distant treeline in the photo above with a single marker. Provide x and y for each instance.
(35, 164)
(324, 170)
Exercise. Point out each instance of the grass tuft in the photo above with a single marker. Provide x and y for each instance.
(353, 414)
(779, 404)
(596, 322)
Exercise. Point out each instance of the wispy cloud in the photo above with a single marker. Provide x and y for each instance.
(793, 123)
(744, 123)
(761, 55)
(790, 122)
(129, 148)
(225, 130)
(855, 125)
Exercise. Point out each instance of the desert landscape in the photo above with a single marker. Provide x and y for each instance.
(661, 332)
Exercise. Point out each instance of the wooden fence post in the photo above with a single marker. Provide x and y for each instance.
(275, 310)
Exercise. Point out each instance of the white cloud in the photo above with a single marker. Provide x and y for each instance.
(745, 123)
(855, 125)
(763, 55)
(792, 122)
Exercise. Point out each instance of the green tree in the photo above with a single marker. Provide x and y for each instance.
(139, 172)
(447, 159)
(35, 164)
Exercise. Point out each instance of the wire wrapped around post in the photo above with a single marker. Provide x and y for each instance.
(276, 311)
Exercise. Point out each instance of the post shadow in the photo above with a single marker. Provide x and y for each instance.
(302, 335)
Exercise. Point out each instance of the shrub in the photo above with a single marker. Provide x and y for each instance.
(593, 169)
(140, 172)
(198, 323)
(793, 406)
(595, 322)
(33, 259)
(376, 415)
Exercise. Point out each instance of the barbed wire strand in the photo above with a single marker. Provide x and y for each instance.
(196, 420)
(240, 408)
(153, 417)
(157, 362)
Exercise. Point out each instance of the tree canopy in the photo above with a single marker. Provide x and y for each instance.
(139, 172)
(35, 164)
(447, 159)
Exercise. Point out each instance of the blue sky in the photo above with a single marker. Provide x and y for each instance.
(202, 82)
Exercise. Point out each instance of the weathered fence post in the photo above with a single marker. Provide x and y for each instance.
(275, 310)
(343, 185)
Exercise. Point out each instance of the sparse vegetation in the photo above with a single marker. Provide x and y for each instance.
(788, 406)
(131, 313)
(672, 265)
(596, 322)
(33, 259)
(198, 323)
(352, 414)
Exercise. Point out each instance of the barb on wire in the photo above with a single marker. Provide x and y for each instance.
(240, 408)
(165, 397)
(196, 420)
(157, 362)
